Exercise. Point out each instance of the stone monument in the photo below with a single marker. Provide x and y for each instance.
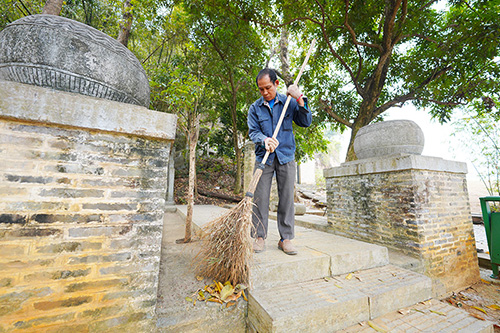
(417, 205)
(83, 176)
(59, 53)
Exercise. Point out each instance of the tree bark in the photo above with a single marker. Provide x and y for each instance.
(193, 133)
(237, 149)
(53, 7)
(126, 24)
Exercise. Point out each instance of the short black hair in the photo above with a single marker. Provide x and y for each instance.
(266, 71)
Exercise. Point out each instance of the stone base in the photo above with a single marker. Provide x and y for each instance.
(416, 204)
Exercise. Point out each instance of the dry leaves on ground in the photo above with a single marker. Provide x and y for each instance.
(217, 292)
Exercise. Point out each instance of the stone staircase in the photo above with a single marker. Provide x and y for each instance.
(335, 283)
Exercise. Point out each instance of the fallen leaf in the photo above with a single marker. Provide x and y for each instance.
(376, 327)
(230, 304)
(484, 281)
(226, 292)
(476, 316)
(244, 296)
(215, 300)
(357, 277)
(227, 282)
(493, 307)
(349, 276)
(336, 285)
(239, 287)
(199, 278)
(201, 295)
(418, 311)
(189, 299)
(479, 309)
(437, 312)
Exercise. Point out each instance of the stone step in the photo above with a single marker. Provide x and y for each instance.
(429, 316)
(319, 255)
(331, 304)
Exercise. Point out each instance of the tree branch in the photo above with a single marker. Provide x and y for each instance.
(326, 106)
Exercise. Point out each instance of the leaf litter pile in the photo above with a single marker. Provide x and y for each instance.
(225, 294)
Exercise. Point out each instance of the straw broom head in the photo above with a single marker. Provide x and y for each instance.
(226, 252)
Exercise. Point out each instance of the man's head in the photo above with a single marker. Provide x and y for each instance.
(267, 83)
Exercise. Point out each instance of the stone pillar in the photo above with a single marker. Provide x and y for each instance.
(82, 198)
(418, 205)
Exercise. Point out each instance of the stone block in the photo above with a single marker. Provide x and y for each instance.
(69, 302)
(312, 306)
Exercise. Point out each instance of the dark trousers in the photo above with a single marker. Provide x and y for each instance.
(285, 177)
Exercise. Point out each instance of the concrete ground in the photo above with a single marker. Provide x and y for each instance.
(178, 281)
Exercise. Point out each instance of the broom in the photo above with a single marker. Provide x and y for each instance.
(227, 250)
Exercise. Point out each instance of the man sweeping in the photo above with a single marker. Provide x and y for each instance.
(263, 117)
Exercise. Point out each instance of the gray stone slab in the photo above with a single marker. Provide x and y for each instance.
(389, 288)
(314, 306)
(395, 163)
(18, 101)
(430, 316)
(275, 268)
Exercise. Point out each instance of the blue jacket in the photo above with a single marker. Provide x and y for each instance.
(262, 122)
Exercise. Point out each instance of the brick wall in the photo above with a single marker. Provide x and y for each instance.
(421, 212)
(81, 215)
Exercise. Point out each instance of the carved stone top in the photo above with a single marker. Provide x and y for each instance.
(389, 138)
(59, 53)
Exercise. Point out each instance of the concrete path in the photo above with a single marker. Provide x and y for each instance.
(313, 291)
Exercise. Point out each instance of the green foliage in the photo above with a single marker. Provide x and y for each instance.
(374, 55)
(479, 132)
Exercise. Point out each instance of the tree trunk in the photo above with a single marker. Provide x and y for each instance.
(237, 149)
(285, 62)
(53, 7)
(365, 117)
(194, 131)
(126, 24)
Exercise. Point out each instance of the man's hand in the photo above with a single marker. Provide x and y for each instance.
(271, 144)
(294, 91)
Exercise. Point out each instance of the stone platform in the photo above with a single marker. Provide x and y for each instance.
(334, 283)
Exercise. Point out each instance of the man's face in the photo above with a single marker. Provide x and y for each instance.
(267, 88)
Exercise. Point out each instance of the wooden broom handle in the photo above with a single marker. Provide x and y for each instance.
(282, 116)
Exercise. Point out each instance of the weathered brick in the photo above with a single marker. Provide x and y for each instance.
(30, 232)
(64, 303)
(29, 179)
(71, 193)
(66, 218)
(101, 284)
(98, 231)
(13, 219)
(12, 302)
(44, 320)
(69, 247)
(102, 312)
(29, 206)
(110, 206)
(56, 275)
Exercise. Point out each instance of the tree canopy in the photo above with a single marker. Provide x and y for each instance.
(374, 55)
